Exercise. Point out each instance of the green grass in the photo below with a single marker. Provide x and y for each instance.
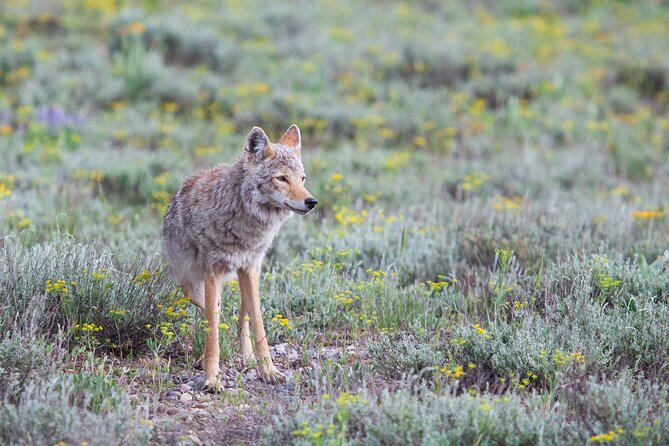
(488, 262)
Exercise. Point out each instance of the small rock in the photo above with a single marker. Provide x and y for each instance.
(315, 365)
(333, 353)
(293, 356)
(281, 349)
(186, 398)
(175, 393)
(194, 439)
(185, 388)
(172, 398)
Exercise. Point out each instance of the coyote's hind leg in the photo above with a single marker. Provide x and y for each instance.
(212, 303)
(248, 285)
(244, 334)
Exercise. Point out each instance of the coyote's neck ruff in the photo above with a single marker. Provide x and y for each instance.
(223, 220)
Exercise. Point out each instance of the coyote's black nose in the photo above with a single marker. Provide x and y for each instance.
(311, 202)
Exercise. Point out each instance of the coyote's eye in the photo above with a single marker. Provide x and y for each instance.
(282, 178)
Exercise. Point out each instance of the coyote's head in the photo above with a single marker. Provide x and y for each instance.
(276, 171)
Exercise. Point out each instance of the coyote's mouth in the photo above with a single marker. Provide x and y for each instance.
(300, 211)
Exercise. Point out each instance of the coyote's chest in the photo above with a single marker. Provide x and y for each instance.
(237, 242)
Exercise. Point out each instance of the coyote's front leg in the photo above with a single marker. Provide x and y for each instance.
(212, 303)
(248, 284)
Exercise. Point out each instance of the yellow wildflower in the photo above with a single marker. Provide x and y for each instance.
(400, 159)
(86, 328)
(282, 321)
(647, 215)
(143, 277)
(474, 181)
(480, 330)
(135, 27)
(346, 399)
(501, 203)
(608, 436)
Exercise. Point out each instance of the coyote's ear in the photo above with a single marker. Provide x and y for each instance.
(257, 146)
(292, 139)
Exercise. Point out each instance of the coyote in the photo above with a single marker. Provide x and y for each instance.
(222, 221)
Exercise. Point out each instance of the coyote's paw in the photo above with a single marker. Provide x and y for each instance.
(270, 374)
(211, 385)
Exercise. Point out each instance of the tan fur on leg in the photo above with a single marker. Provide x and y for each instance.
(212, 301)
(244, 334)
(248, 284)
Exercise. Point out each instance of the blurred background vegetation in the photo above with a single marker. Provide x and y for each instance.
(492, 213)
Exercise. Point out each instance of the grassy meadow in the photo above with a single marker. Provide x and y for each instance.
(488, 262)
